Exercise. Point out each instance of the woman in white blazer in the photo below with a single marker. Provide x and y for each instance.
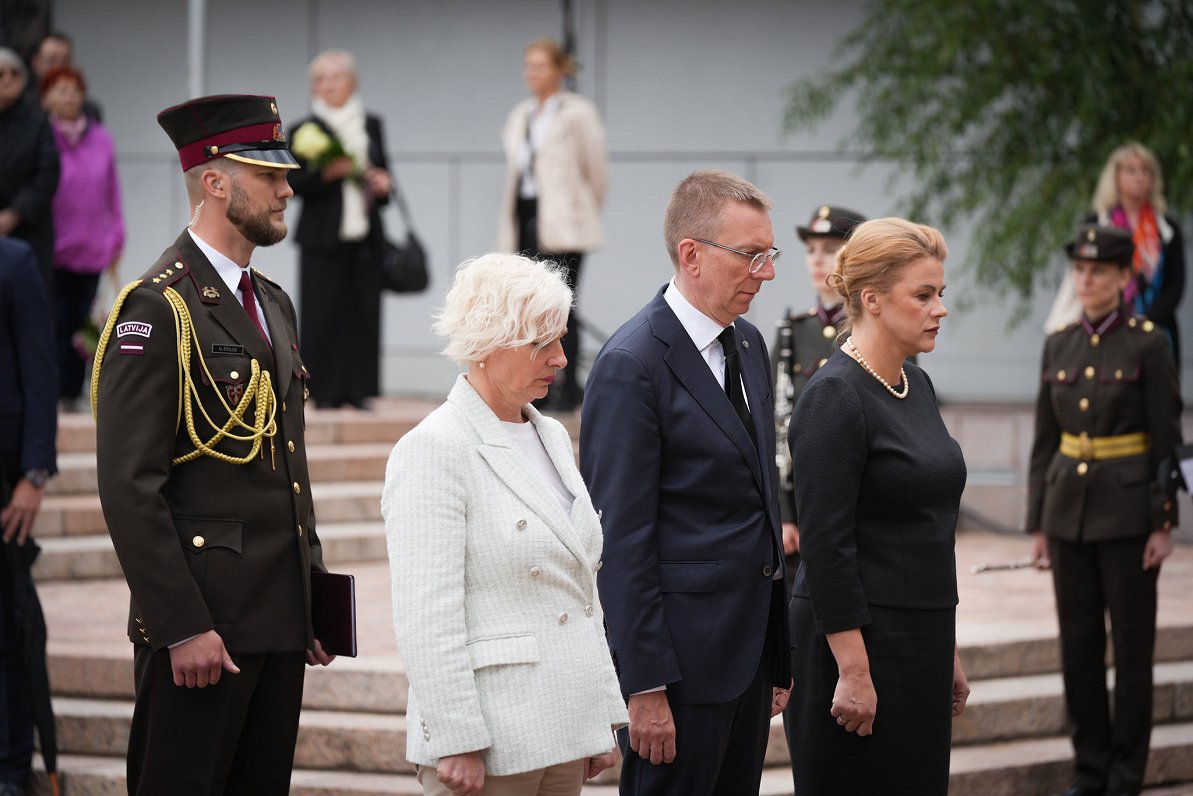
(555, 182)
(493, 547)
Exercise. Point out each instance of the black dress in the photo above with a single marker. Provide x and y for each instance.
(878, 488)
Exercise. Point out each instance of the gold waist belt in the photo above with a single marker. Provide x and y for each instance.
(1083, 446)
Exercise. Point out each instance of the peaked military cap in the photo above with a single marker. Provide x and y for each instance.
(1105, 244)
(829, 221)
(242, 127)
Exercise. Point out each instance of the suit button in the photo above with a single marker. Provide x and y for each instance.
(767, 571)
(290, 446)
(520, 525)
(563, 618)
(534, 572)
(1083, 404)
(198, 541)
(588, 610)
(297, 488)
(1082, 468)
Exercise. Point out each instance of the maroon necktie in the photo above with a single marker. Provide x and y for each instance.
(250, 304)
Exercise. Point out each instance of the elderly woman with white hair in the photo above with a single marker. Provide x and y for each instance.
(344, 180)
(493, 548)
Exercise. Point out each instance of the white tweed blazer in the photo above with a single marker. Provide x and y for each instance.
(494, 595)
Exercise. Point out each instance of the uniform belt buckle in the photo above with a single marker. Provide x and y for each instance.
(1085, 446)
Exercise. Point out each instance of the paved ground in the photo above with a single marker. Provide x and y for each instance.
(995, 606)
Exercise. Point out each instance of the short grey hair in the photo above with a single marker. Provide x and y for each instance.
(503, 301)
(697, 206)
(9, 57)
(342, 57)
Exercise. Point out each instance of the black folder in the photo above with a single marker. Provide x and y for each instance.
(333, 612)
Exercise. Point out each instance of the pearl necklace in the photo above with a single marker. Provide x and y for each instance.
(861, 360)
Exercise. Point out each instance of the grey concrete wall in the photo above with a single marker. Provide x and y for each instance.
(682, 85)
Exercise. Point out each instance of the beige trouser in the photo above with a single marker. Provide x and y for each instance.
(562, 779)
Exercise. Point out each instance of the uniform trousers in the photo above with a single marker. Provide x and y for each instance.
(562, 779)
(1092, 579)
(235, 737)
(719, 748)
(527, 209)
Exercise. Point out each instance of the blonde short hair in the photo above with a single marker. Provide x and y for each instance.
(697, 206)
(341, 58)
(1106, 194)
(875, 254)
(503, 301)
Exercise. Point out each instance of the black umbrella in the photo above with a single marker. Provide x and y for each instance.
(31, 624)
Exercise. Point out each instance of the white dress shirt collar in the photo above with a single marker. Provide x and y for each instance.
(226, 268)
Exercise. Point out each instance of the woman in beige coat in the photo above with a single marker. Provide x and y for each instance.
(555, 183)
(493, 547)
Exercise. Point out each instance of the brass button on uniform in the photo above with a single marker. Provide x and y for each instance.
(1167, 505)
(198, 541)
(297, 488)
(234, 375)
(290, 446)
(563, 618)
(1089, 371)
(830, 332)
(1060, 374)
(1082, 468)
(1167, 525)
(1118, 375)
(1083, 404)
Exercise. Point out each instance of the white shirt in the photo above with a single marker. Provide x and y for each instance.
(538, 123)
(703, 330)
(230, 273)
(527, 437)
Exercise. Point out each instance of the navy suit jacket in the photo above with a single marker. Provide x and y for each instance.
(28, 369)
(690, 512)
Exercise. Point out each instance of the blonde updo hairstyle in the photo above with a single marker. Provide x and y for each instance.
(875, 254)
(502, 301)
(558, 56)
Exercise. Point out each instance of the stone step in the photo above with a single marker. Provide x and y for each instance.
(387, 422)
(92, 556)
(360, 461)
(80, 515)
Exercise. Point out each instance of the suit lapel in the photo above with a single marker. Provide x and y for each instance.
(693, 372)
(511, 466)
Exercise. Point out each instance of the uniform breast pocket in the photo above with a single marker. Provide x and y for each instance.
(229, 374)
(213, 548)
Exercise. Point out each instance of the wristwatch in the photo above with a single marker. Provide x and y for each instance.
(37, 476)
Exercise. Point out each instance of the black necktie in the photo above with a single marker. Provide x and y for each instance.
(733, 384)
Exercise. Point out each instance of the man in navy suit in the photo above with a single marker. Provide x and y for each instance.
(677, 447)
(28, 426)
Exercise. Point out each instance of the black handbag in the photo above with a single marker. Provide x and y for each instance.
(403, 267)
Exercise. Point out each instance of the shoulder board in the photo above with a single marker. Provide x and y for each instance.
(265, 278)
(1141, 324)
(166, 277)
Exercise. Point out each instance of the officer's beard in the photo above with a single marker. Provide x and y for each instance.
(257, 229)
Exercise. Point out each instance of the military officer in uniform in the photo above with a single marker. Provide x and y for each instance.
(803, 343)
(1108, 414)
(198, 391)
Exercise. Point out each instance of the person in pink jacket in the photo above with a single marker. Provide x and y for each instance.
(88, 224)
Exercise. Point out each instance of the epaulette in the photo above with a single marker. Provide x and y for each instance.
(1141, 323)
(171, 274)
(265, 278)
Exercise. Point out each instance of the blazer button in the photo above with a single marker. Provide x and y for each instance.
(290, 446)
(520, 525)
(767, 571)
(297, 488)
(198, 541)
(534, 572)
(563, 618)
(588, 610)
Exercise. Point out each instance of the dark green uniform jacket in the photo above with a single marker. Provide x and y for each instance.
(206, 543)
(1117, 382)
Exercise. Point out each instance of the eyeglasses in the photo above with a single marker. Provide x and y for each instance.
(757, 260)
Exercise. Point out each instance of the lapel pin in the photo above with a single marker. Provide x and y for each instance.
(210, 292)
(745, 343)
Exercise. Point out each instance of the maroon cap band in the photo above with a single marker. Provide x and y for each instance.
(200, 151)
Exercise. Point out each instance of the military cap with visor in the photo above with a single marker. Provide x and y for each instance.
(243, 127)
(1102, 244)
(830, 222)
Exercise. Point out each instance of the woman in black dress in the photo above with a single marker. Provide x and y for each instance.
(873, 610)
